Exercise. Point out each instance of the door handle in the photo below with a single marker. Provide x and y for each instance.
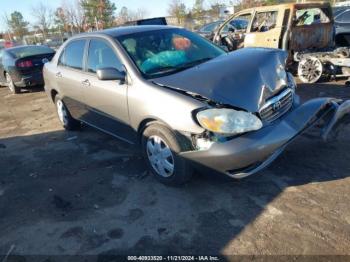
(86, 82)
(58, 74)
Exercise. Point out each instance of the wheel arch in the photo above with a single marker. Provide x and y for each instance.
(53, 94)
(147, 122)
(186, 141)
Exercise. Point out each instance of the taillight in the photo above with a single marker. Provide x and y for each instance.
(27, 63)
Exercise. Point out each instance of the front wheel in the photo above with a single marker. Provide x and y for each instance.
(67, 121)
(161, 148)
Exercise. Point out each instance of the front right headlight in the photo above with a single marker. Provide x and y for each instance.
(228, 121)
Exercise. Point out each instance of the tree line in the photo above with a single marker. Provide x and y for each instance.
(200, 8)
(76, 16)
(72, 16)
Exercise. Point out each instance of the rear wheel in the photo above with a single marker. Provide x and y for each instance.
(161, 148)
(310, 70)
(67, 121)
(11, 85)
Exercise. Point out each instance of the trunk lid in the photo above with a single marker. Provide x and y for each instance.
(37, 60)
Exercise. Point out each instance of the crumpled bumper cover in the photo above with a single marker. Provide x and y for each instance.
(251, 152)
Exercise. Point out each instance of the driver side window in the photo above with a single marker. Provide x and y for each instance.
(101, 55)
(239, 23)
(264, 21)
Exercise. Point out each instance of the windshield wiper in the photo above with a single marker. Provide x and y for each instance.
(161, 70)
(176, 69)
(194, 63)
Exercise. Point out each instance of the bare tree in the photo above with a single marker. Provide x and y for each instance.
(43, 15)
(126, 15)
(215, 6)
(6, 21)
(138, 14)
(243, 4)
(123, 16)
(178, 9)
(75, 15)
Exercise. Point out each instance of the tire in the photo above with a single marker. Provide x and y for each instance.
(67, 121)
(310, 70)
(168, 153)
(11, 85)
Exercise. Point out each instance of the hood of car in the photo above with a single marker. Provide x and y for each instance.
(245, 78)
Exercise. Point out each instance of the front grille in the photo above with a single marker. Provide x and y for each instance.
(277, 106)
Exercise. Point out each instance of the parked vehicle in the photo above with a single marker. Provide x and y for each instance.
(148, 21)
(208, 30)
(21, 67)
(305, 30)
(342, 27)
(160, 87)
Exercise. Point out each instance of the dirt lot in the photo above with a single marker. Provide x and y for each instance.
(87, 193)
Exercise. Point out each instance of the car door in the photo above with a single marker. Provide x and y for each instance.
(106, 101)
(265, 29)
(70, 76)
(227, 33)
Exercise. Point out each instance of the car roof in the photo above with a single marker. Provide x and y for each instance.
(23, 46)
(127, 30)
(316, 4)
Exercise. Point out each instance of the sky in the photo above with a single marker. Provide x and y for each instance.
(154, 7)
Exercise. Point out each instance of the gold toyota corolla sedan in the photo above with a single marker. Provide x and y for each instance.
(185, 101)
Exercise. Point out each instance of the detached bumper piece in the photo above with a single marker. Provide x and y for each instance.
(31, 80)
(340, 118)
(247, 154)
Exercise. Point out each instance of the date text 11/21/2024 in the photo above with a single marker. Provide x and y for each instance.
(173, 258)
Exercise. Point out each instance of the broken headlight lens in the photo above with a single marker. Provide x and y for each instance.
(228, 121)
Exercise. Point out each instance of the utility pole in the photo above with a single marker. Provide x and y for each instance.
(96, 23)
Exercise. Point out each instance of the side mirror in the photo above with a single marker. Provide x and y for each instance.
(110, 73)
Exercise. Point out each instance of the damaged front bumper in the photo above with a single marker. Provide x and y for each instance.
(251, 152)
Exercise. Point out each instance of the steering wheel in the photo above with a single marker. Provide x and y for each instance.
(229, 41)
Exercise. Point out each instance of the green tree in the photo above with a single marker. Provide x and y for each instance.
(99, 14)
(17, 25)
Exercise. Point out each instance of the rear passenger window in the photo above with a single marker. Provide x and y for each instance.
(311, 16)
(73, 55)
(101, 55)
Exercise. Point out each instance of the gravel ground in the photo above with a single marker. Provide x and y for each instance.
(87, 193)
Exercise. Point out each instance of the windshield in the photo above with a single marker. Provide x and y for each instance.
(25, 51)
(167, 51)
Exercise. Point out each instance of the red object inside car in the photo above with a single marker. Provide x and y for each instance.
(181, 43)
